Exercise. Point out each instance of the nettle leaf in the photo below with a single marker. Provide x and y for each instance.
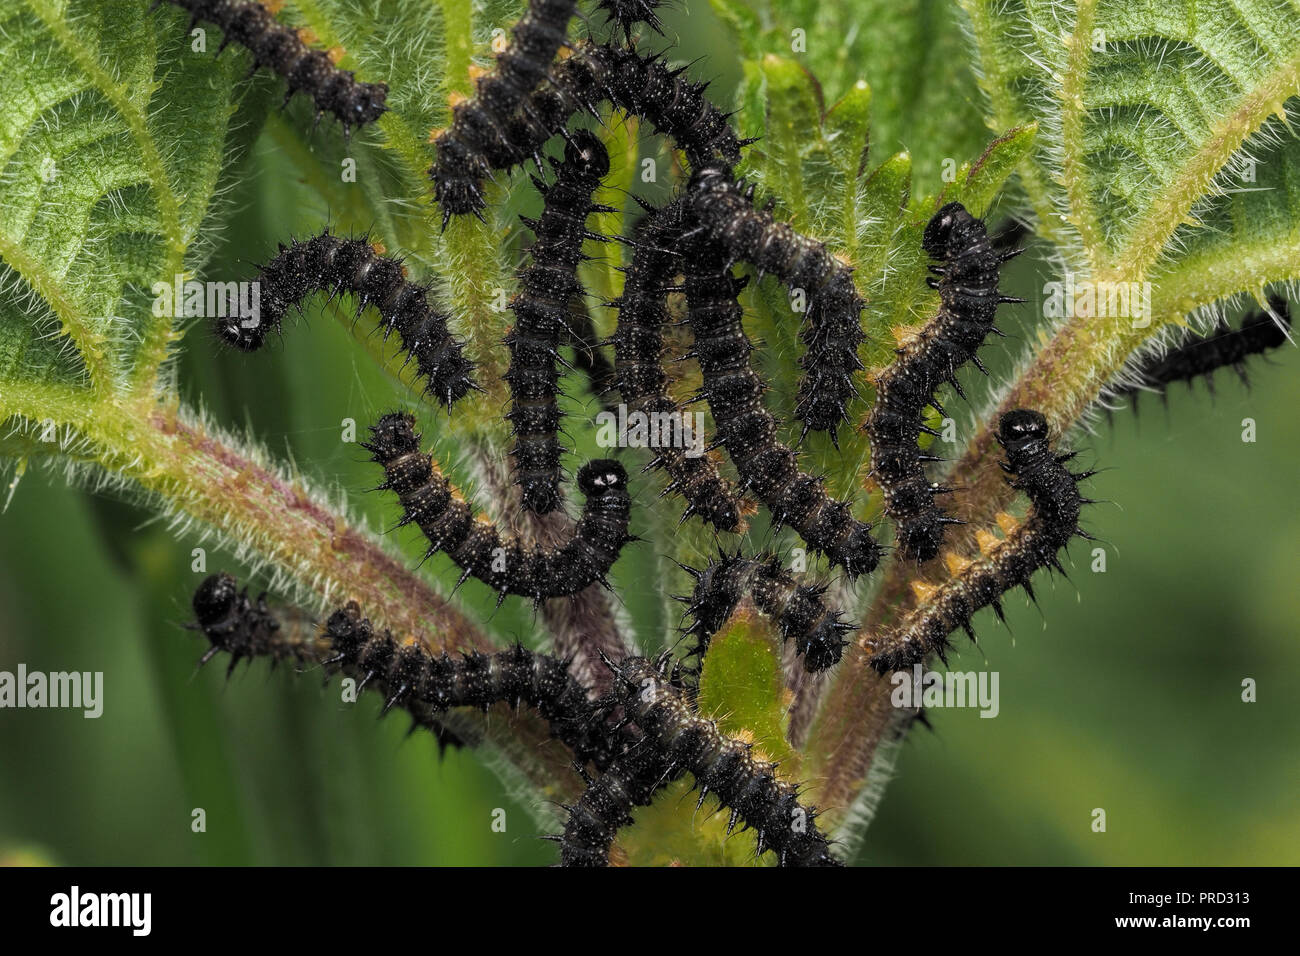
(112, 148)
(1165, 145)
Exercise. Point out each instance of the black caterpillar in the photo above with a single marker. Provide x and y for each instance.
(238, 626)
(501, 561)
(408, 675)
(245, 629)
(639, 365)
(638, 85)
(605, 807)
(966, 270)
(725, 210)
(796, 609)
(480, 131)
(280, 48)
(633, 83)
(328, 263)
(1202, 355)
(1053, 520)
(734, 392)
(677, 740)
(541, 308)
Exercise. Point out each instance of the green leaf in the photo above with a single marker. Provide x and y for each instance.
(743, 687)
(882, 206)
(109, 172)
(1149, 110)
(847, 139)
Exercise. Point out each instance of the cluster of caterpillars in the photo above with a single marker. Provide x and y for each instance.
(645, 732)
(638, 739)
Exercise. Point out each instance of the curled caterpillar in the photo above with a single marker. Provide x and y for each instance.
(639, 368)
(281, 49)
(966, 270)
(480, 126)
(633, 83)
(748, 430)
(1200, 356)
(408, 675)
(328, 263)
(501, 561)
(541, 309)
(238, 626)
(1005, 563)
(724, 208)
(677, 740)
(797, 609)
(246, 629)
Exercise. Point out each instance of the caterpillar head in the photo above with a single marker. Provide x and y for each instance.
(1021, 425)
(392, 437)
(948, 231)
(215, 599)
(601, 477)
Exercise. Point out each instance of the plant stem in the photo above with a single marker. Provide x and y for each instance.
(196, 475)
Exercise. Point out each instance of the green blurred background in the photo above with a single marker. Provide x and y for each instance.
(1123, 692)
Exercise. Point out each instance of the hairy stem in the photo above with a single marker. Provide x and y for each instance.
(196, 475)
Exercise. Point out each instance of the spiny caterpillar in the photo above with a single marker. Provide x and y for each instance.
(725, 210)
(237, 626)
(626, 14)
(748, 430)
(1005, 563)
(480, 126)
(797, 609)
(1199, 356)
(639, 366)
(635, 84)
(328, 263)
(245, 629)
(408, 675)
(541, 309)
(606, 805)
(280, 48)
(966, 270)
(679, 740)
(500, 561)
